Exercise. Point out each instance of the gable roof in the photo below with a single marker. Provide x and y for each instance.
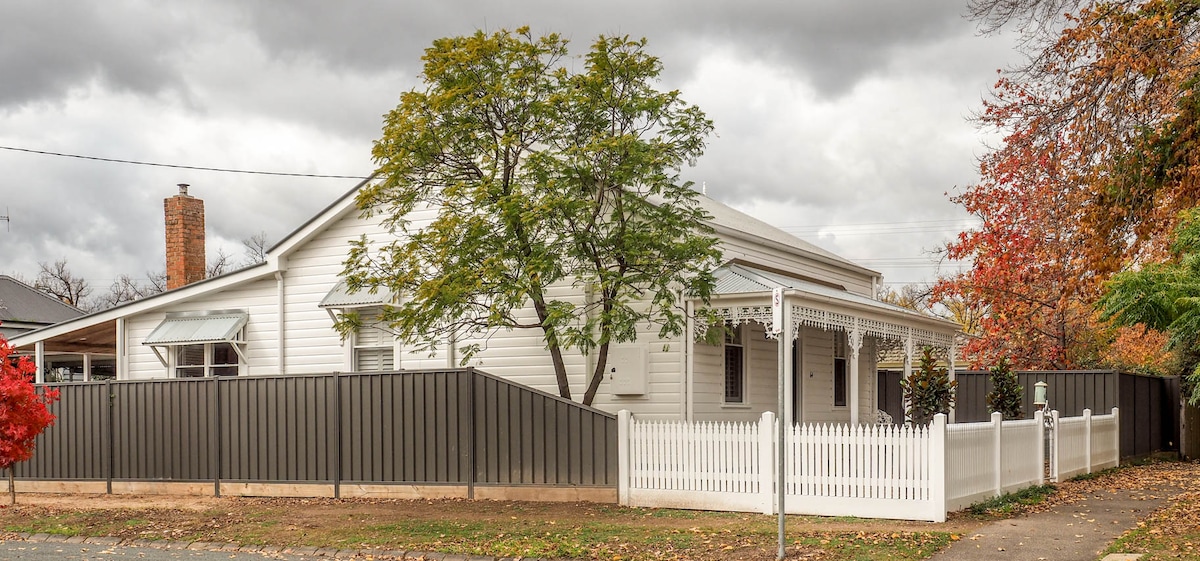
(724, 219)
(730, 220)
(20, 302)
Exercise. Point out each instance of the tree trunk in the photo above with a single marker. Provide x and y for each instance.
(597, 375)
(602, 353)
(560, 367)
(12, 489)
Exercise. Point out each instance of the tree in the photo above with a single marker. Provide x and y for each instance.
(127, 289)
(1006, 393)
(256, 248)
(924, 298)
(23, 412)
(1165, 296)
(1028, 281)
(534, 177)
(220, 264)
(928, 390)
(58, 281)
(1094, 168)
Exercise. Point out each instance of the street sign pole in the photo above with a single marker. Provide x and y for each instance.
(778, 328)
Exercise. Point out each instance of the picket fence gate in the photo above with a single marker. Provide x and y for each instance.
(875, 471)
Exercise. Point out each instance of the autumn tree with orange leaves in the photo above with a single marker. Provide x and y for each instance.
(1096, 165)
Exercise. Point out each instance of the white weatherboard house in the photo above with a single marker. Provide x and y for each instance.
(277, 318)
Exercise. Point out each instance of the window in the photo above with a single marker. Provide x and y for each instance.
(200, 344)
(839, 369)
(374, 347)
(204, 360)
(735, 371)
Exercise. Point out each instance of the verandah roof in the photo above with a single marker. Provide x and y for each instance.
(824, 306)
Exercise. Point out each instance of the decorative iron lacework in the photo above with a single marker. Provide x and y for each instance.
(884, 331)
(738, 315)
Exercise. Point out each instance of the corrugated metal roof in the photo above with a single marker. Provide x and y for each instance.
(729, 217)
(205, 327)
(736, 278)
(21, 302)
(340, 297)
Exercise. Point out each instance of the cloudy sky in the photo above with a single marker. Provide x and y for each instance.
(844, 122)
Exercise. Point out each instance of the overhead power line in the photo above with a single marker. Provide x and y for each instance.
(179, 166)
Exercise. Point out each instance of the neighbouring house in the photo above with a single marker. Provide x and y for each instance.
(24, 308)
(277, 317)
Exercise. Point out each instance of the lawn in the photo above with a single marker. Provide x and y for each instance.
(498, 528)
(581, 530)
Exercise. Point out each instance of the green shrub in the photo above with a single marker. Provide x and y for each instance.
(928, 390)
(1010, 502)
(1006, 394)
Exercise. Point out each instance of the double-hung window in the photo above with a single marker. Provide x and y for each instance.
(735, 366)
(839, 369)
(374, 347)
(206, 360)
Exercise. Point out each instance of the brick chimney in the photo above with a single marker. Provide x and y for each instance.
(185, 238)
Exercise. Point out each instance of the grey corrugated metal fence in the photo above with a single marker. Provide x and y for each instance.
(1149, 405)
(461, 427)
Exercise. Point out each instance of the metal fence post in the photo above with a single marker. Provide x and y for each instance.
(472, 379)
(217, 437)
(109, 445)
(337, 438)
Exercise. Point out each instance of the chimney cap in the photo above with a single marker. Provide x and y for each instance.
(183, 189)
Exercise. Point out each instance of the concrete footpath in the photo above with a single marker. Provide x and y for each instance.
(1076, 531)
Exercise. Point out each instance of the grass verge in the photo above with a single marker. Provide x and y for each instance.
(1170, 533)
(501, 529)
(1009, 504)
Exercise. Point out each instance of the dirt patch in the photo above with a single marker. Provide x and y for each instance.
(109, 502)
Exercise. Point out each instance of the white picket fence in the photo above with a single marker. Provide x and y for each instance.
(1084, 444)
(876, 471)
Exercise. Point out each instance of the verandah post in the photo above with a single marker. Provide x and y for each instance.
(937, 468)
(624, 462)
(766, 462)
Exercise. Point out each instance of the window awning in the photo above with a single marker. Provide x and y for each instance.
(340, 297)
(194, 328)
(197, 327)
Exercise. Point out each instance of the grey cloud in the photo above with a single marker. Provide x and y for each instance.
(49, 48)
(826, 40)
